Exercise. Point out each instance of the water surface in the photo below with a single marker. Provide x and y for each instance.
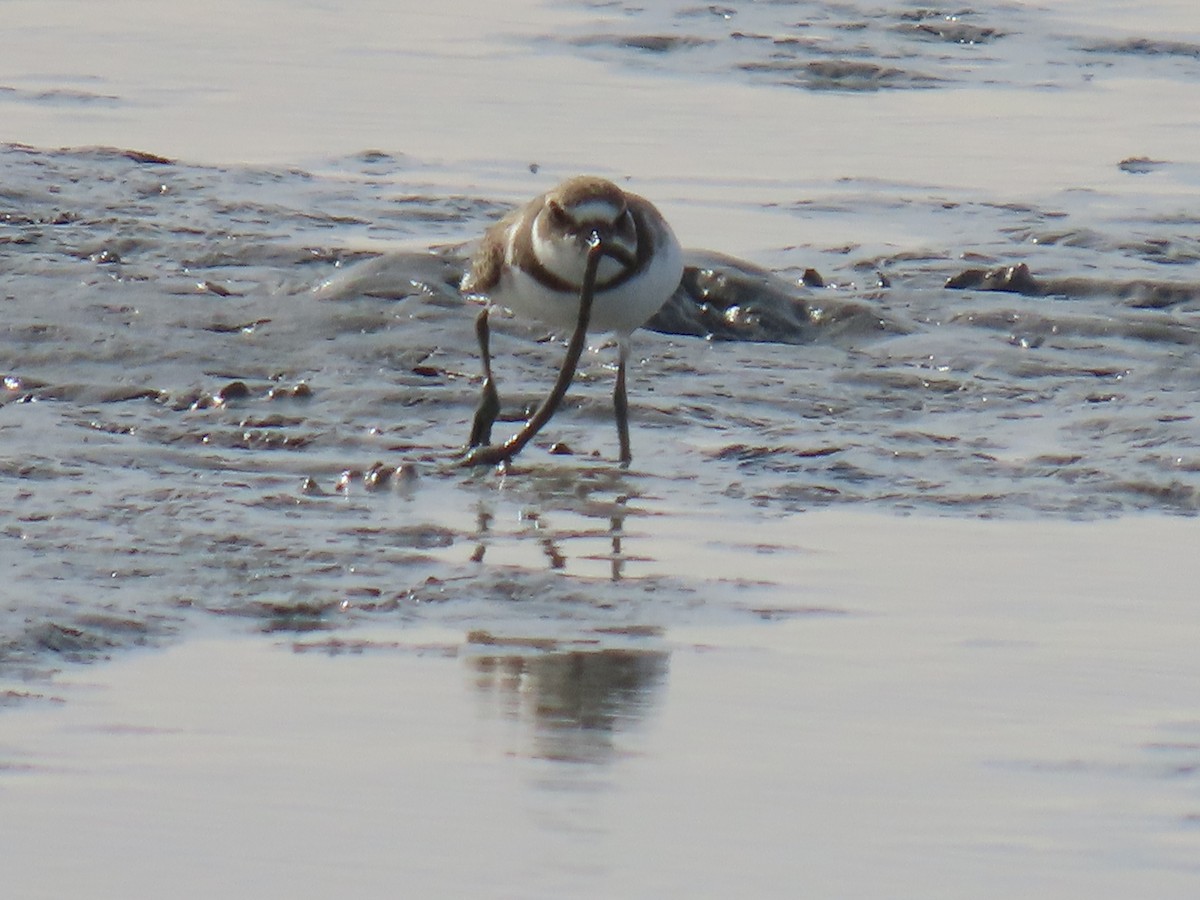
(783, 630)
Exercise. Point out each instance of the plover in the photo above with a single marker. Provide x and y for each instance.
(535, 262)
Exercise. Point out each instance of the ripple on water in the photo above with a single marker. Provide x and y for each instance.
(855, 47)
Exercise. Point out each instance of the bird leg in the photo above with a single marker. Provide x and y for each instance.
(490, 455)
(489, 399)
(621, 401)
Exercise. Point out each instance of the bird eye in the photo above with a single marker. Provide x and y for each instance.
(558, 215)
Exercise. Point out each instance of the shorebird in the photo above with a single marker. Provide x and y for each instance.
(586, 255)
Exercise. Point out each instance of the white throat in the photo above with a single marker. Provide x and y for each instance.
(566, 258)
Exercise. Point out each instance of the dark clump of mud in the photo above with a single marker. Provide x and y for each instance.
(727, 299)
(1139, 293)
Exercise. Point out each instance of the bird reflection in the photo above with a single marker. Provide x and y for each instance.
(616, 527)
(577, 700)
(554, 543)
(483, 527)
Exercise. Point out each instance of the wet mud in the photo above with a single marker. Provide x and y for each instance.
(222, 402)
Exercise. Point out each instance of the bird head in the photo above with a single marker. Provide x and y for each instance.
(588, 210)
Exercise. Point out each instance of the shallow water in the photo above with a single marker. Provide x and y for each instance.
(189, 431)
(965, 718)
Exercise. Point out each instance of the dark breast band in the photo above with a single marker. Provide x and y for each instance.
(643, 230)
